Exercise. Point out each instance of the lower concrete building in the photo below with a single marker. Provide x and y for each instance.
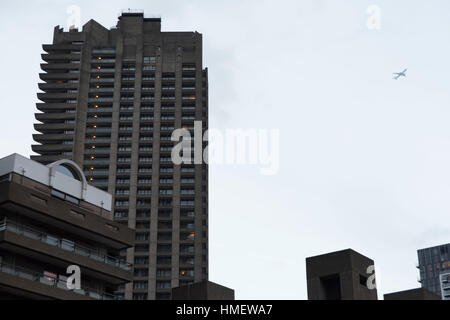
(413, 294)
(204, 290)
(342, 275)
(50, 220)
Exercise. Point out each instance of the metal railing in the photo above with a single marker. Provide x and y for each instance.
(105, 70)
(54, 282)
(64, 244)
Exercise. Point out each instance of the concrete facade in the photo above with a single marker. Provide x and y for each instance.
(413, 294)
(44, 230)
(342, 275)
(111, 100)
(204, 290)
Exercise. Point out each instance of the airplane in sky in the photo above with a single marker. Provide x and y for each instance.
(400, 74)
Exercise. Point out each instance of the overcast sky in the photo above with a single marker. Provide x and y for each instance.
(364, 159)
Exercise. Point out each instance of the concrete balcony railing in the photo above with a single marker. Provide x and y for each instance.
(64, 244)
(103, 61)
(98, 130)
(104, 50)
(53, 281)
(101, 100)
(106, 80)
(99, 120)
(101, 90)
(100, 110)
(103, 70)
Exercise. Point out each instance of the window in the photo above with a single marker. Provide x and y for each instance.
(140, 285)
(141, 248)
(142, 225)
(142, 236)
(140, 272)
(186, 283)
(140, 260)
(164, 272)
(121, 214)
(163, 284)
(140, 296)
(164, 260)
(64, 196)
(363, 280)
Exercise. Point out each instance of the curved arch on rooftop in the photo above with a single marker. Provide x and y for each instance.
(71, 167)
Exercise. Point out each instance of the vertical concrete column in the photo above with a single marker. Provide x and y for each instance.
(155, 176)
(198, 167)
(82, 103)
(136, 132)
(177, 173)
(205, 184)
(115, 119)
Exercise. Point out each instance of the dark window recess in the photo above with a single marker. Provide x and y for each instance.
(331, 287)
(77, 214)
(64, 196)
(6, 177)
(363, 280)
(38, 200)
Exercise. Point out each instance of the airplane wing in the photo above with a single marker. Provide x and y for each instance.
(396, 77)
(404, 71)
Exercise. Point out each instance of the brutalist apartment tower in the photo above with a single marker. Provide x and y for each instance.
(111, 101)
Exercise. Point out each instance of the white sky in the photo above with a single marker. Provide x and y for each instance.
(364, 160)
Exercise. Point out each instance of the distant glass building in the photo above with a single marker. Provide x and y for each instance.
(445, 285)
(433, 262)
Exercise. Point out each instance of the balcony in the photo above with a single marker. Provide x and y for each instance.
(94, 90)
(52, 137)
(97, 173)
(46, 148)
(99, 120)
(43, 117)
(104, 51)
(58, 283)
(102, 80)
(64, 244)
(101, 100)
(100, 61)
(54, 57)
(98, 141)
(62, 96)
(97, 162)
(50, 48)
(58, 86)
(103, 70)
(47, 127)
(60, 76)
(100, 109)
(59, 66)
